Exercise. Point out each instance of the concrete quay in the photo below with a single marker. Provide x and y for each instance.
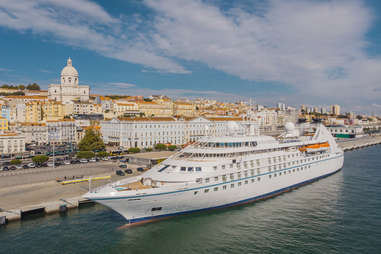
(348, 145)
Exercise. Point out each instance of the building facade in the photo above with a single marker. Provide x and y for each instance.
(63, 131)
(69, 89)
(11, 143)
(147, 132)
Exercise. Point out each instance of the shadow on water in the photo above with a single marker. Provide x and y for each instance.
(327, 216)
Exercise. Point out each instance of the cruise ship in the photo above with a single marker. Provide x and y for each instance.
(218, 172)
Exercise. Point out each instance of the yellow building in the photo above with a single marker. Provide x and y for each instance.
(150, 108)
(37, 111)
(3, 124)
(184, 109)
(33, 112)
(53, 110)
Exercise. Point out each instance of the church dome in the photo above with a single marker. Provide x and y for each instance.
(69, 75)
(69, 70)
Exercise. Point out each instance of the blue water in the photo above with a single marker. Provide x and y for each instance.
(338, 214)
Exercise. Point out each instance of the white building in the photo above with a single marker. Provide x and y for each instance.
(343, 131)
(34, 132)
(11, 143)
(69, 89)
(146, 132)
(63, 131)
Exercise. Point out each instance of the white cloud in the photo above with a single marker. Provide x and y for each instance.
(5, 70)
(316, 47)
(83, 24)
(122, 85)
(132, 89)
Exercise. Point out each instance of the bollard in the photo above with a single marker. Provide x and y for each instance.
(3, 220)
(63, 209)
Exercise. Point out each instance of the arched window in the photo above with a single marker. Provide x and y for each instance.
(69, 80)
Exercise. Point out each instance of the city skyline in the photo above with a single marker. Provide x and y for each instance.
(299, 52)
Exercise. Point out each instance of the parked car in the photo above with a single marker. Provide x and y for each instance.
(92, 160)
(124, 160)
(83, 161)
(120, 173)
(25, 166)
(31, 165)
(75, 161)
(12, 168)
(18, 166)
(50, 164)
(105, 159)
(128, 171)
(67, 162)
(140, 169)
(123, 166)
(5, 168)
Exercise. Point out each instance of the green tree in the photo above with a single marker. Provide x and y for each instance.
(91, 142)
(33, 86)
(172, 148)
(21, 87)
(40, 159)
(160, 147)
(103, 154)
(148, 149)
(134, 150)
(85, 154)
(15, 162)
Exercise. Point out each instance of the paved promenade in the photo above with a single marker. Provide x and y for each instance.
(351, 144)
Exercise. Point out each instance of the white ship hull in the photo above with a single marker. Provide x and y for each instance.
(192, 198)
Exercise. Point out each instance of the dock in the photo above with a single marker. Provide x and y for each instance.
(349, 145)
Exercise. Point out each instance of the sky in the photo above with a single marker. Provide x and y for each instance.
(313, 52)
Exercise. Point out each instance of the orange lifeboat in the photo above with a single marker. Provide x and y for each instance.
(315, 147)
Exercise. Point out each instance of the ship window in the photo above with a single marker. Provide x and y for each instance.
(240, 183)
(246, 174)
(258, 171)
(215, 189)
(246, 181)
(223, 166)
(232, 185)
(224, 177)
(216, 178)
(199, 180)
(232, 176)
(252, 180)
(258, 178)
(190, 168)
(156, 209)
(194, 193)
(206, 190)
(207, 180)
(183, 168)
(224, 187)
(258, 163)
(198, 168)
(231, 165)
(239, 175)
(163, 168)
(215, 167)
(275, 175)
(252, 172)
